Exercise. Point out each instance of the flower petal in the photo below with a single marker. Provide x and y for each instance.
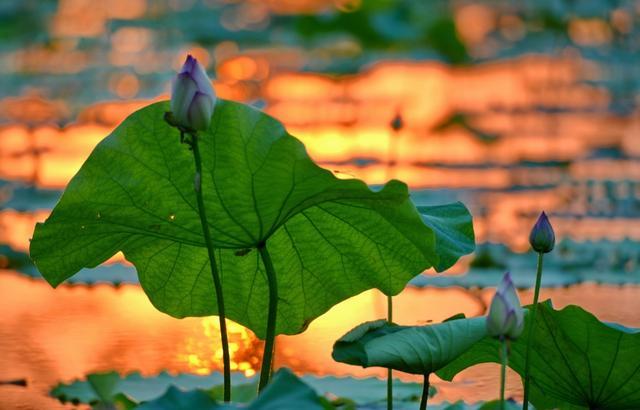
(200, 111)
(183, 91)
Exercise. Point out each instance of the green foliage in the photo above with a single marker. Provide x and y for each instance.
(453, 230)
(577, 362)
(411, 349)
(497, 405)
(140, 388)
(357, 393)
(175, 399)
(105, 385)
(286, 391)
(330, 239)
(103, 391)
(241, 393)
(390, 26)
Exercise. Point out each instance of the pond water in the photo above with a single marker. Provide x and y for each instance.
(48, 336)
(533, 120)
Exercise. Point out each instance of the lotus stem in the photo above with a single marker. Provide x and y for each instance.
(396, 125)
(530, 333)
(267, 357)
(425, 392)
(504, 356)
(226, 358)
(389, 371)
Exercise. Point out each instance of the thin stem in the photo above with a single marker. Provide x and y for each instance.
(530, 333)
(391, 160)
(425, 392)
(504, 356)
(226, 359)
(389, 389)
(267, 357)
(389, 371)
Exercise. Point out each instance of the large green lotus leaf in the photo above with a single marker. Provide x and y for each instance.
(411, 349)
(577, 362)
(329, 239)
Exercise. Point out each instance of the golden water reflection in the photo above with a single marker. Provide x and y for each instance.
(346, 118)
(345, 124)
(529, 110)
(63, 334)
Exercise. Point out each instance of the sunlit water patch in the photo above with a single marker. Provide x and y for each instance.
(63, 334)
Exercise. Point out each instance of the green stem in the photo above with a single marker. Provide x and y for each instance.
(530, 334)
(389, 389)
(389, 371)
(226, 359)
(425, 392)
(267, 357)
(503, 370)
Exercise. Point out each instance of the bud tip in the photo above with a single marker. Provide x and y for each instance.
(542, 238)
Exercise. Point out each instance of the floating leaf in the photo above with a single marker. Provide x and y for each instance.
(141, 388)
(286, 391)
(105, 385)
(175, 399)
(552, 278)
(577, 361)
(363, 392)
(329, 239)
(241, 393)
(497, 405)
(411, 349)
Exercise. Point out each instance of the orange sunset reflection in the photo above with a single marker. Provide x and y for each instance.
(539, 111)
(73, 330)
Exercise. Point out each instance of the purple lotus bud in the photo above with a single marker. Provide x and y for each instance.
(506, 316)
(542, 238)
(397, 123)
(192, 96)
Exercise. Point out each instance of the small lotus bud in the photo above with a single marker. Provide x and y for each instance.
(542, 238)
(192, 96)
(506, 316)
(396, 122)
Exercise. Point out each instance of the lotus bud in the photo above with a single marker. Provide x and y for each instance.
(542, 238)
(397, 123)
(192, 96)
(506, 316)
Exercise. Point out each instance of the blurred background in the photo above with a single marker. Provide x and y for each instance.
(510, 107)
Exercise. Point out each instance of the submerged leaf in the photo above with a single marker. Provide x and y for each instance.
(329, 239)
(577, 361)
(411, 349)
